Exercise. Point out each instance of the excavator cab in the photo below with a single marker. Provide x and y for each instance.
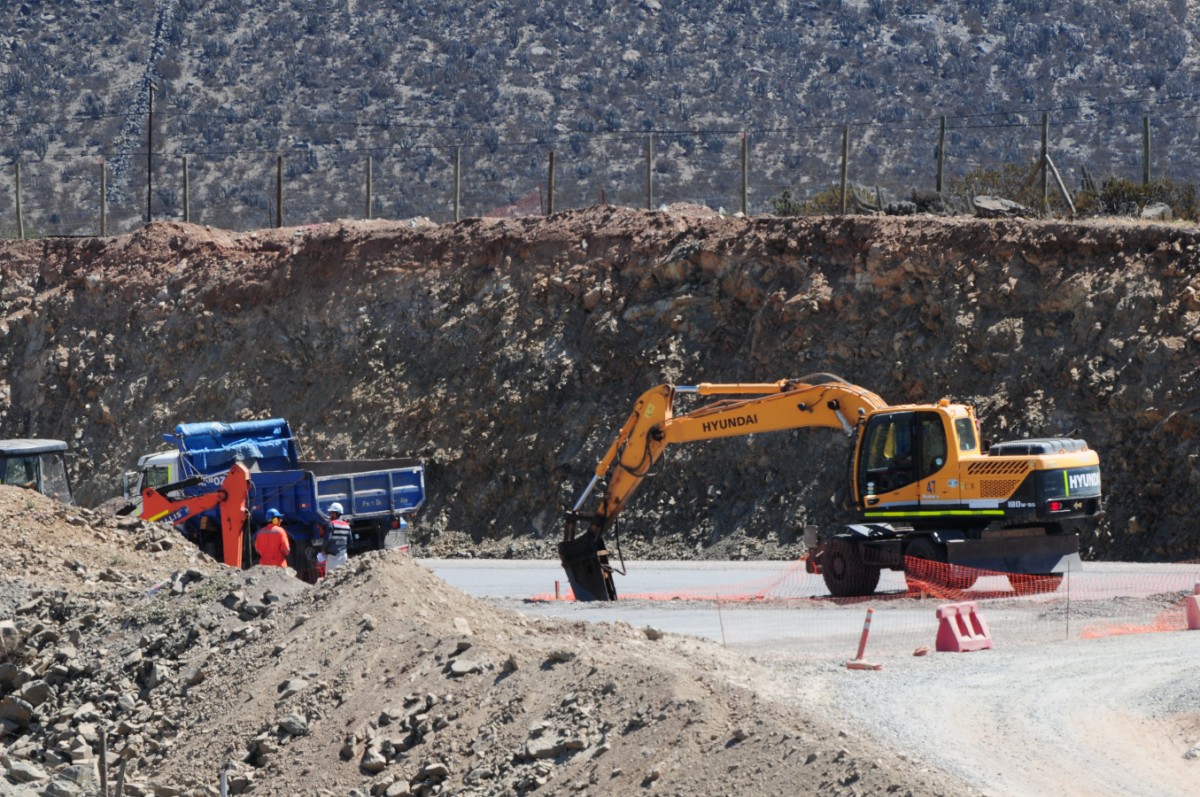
(36, 464)
(900, 455)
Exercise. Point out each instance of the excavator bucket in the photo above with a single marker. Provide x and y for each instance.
(586, 562)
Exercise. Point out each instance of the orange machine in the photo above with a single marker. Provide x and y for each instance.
(229, 501)
(922, 483)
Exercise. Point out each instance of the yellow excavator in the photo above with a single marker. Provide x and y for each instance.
(923, 485)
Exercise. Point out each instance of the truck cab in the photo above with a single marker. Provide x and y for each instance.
(36, 464)
(153, 470)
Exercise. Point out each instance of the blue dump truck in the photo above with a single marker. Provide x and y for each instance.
(219, 482)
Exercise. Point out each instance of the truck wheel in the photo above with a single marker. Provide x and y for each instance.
(845, 573)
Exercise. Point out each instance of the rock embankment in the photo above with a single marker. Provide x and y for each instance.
(506, 353)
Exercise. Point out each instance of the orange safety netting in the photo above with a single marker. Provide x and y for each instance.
(1170, 620)
(921, 578)
(1020, 609)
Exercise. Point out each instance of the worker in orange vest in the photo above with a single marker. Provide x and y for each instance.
(271, 542)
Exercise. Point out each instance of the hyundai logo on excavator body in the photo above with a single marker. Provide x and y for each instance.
(1078, 481)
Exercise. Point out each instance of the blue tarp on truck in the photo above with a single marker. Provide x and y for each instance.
(211, 448)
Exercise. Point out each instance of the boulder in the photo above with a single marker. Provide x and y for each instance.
(292, 686)
(16, 710)
(1158, 211)
(374, 760)
(544, 747)
(23, 771)
(77, 779)
(294, 724)
(36, 693)
(993, 207)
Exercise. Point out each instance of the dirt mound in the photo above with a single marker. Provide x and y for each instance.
(381, 679)
(53, 546)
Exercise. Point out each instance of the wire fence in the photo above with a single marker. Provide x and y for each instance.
(240, 188)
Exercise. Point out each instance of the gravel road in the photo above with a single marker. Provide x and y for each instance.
(1112, 716)
(1043, 712)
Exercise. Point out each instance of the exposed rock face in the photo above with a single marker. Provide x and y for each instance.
(507, 353)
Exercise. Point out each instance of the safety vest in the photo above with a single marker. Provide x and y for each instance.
(339, 537)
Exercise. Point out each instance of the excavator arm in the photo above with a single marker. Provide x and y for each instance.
(819, 400)
(230, 497)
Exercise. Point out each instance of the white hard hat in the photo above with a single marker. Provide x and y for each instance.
(335, 507)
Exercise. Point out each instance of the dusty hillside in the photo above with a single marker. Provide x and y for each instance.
(507, 353)
(409, 84)
(382, 680)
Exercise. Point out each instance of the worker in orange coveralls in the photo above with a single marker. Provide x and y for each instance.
(271, 542)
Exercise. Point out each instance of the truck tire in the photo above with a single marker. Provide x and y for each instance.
(845, 573)
(395, 539)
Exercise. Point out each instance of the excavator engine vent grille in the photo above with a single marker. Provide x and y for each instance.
(997, 488)
(1001, 468)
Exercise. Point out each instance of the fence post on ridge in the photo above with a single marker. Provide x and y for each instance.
(941, 151)
(368, 214)
(150, 157)
(1145, 150)
(187, 208)
(20, 215)
(103, 197)
(1045, 193)
(745, 173)
(550, 187)
(457, 183)
(650, 172)
(845, 165)
(278, 191)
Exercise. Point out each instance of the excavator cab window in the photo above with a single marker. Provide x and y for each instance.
(900, 448)
(54, 478)
(888, 453)
(967, 439)
(20, 472)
